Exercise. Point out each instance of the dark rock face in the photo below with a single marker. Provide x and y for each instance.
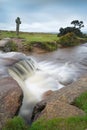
(59, 103)
(37, 110)
(10, 99)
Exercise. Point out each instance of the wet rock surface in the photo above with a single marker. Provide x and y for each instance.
(56, 109)
(10, 99)
(59, 103)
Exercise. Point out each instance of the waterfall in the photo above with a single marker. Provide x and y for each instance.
(23, 68)
(37, 78)
(33, 81)
(52, 72)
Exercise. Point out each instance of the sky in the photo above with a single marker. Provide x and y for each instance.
(42, 15)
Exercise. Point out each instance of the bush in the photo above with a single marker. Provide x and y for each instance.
(64, 31)
(10, 46)
(70, 39)
(17, 123)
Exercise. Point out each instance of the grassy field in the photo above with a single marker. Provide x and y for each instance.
(45, 41)
(40, 37)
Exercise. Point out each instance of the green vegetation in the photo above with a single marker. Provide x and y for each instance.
(70, 39)
(76, 29)
(81, 102)
(64, 31)
(17, 123)
(5, 34)
(45, 41)
(72, 123)
(10, 46)
(31, 37)
(77, 23)
(69, 36)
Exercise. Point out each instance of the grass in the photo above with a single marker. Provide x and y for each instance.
(72, 123)
(38, 37)
(17, 123)
(45, 41)
(81, 102)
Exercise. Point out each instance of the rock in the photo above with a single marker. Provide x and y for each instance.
(4, 41)
(56, 109)
(37, 110)
(10, 99)
(59, 103)
(46, 94)
(69, 93)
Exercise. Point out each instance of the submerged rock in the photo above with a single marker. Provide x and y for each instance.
(10, 99)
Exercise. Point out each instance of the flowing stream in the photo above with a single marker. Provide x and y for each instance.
(38, 73)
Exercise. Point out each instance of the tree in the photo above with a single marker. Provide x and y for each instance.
(75, 23)
(81, 24)
(64, 31)
(61, 30)
(18, 22)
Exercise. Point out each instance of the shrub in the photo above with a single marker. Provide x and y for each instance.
(70, 39)
(10, 46)
(76, 31)
(17, 123)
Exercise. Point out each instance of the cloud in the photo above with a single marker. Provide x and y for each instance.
(40, 27)
(41, 15)
(39, 24)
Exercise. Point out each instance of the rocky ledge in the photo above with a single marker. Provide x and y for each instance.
(60, 103)
(10, 99)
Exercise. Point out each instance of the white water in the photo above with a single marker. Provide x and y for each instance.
(37, 78)
(52, 73)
